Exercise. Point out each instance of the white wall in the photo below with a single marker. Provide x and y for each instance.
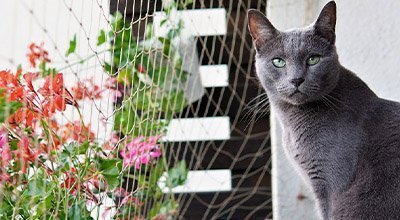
(368, 43)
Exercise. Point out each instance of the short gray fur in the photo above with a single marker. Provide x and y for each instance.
(344, 140)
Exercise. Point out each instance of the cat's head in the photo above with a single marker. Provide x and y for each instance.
(300, 65)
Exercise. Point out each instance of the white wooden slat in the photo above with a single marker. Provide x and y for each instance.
(202, 181)
(197, 22)
(198, 129)
(214, 75)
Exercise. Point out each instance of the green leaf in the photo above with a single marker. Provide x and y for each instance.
(108, 68)
(7, 108)
(163, 21)
(38, 191)
(168, 206)
(44, 205)
(6, 207)
(13, 144)
(67, 157)
(72, 46)
(182, 4)
(177, 175)
(163, 210)
(111, 170)
(78, 211)
(155, 173)
(101, 39)
(166, 46)
(82, 148)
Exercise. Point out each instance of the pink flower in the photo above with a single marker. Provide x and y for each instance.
(140, 151)
(4, 149)
(4, 177)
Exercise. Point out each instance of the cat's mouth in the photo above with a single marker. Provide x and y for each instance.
(295, 92)
(297, 97)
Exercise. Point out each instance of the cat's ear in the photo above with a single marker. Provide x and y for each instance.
(326, 22)
(260, 27)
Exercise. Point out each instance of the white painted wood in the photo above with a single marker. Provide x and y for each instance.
(214, 75)
(197, 22)
(202, 181)
(190, 63)
(198, 129)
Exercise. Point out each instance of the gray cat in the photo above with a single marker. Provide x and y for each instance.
(344, 139)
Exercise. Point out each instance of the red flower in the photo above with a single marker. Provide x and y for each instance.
(29, 77)
(9, 82)
(56, 96)
(70, 181)
(140, 68)
(16, 93)
(77, 132)
(53, 103)
(86, 89)
(22, 116)
(25, 154)
(37, 53)
(53, 84)
(8, 79)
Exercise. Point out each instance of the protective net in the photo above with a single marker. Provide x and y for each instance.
(131, 109)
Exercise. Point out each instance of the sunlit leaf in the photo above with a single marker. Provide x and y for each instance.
(111, 170)
(78, 211)
(101, 39)
(72, 46)
(177, 175)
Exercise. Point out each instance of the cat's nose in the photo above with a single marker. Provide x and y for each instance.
(297, 81)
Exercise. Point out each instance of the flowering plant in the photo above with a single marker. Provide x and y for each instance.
(60, 170)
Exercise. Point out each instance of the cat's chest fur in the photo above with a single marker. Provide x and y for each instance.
(320, 142)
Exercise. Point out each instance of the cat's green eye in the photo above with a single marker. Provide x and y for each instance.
(278, 62)
(313, 60)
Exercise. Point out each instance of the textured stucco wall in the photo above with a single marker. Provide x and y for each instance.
(368, 43)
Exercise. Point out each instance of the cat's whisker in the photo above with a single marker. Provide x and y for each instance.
(253, 113)
(250, 107)
(255, 118)
(340, 102)
(263, 108)
(331, 104)
(254, 100)
(263, 113)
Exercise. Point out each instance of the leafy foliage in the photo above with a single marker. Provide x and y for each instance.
(61, 171)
